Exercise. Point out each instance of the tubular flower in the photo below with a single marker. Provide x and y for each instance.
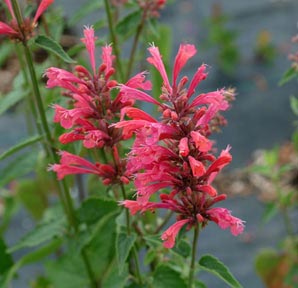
(73, 164)
(25, 32)
(92, 110)
(176, 153)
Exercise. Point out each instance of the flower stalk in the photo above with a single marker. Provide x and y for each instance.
(193, 255)
(63, 190)
(114, 40)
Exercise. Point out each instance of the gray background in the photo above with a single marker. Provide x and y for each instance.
(258, 118)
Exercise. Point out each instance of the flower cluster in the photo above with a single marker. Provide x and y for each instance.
(176, 152)
(25, 30)
(93, 111)
(151, 7)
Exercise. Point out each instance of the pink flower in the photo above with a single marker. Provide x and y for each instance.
(185, 52)
(197, 167)
(72, 164)
(25, 30)
(44, 4)
(170, 234)
(7, 30)
(89, 41)
(224, 219)
(183, 147)
(175, 153)
(201, 142)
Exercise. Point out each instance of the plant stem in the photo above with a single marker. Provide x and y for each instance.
(135, 44)
(287, 221)
(134, 251)
(63, 190)
(114, 40)
(164, 222)
(193, 256)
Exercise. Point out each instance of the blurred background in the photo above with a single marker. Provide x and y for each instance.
(246, 46)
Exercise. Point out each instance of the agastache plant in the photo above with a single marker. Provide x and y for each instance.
(171, 165)
(175, 151)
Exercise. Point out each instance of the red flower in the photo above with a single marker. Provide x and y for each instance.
(176, 153)
(26, 30)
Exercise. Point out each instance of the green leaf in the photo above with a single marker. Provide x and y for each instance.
(126, 26)
(32, 195)
(115, 278)
(216, 267)
(294, 105)
(270, 210)
(6, 259)
(10, 208)
(12, 98)
(5, 52)
(93, 209)
(22, 144)
(199, 284)
(20, 166)
(150, 256)
(182, 248)
(69, 271)
(124, 244)
(288, 75)
(29, 258)
(165, 277)
(43, 232)
(52, 46)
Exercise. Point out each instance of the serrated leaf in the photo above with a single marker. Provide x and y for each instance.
(43, 232)
(12, 98)
(93, 209)
(288, 76)
(22, 144)
(18, 167)
(126, 26)
(6, 259)
(54, 47)
(124, 244)
(165, 277)
(213, 265)
(30, 258)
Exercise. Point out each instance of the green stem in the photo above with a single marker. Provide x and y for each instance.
(63, 190)
(193, 256)
(134, 251)
(135, 44)
(287, 221)
(164, 222)
(114, 40)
